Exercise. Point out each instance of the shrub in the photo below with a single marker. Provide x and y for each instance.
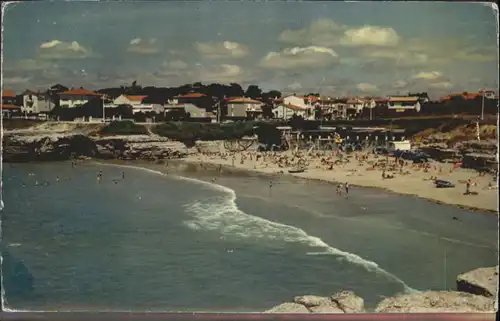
(190, 132)
(124, 127)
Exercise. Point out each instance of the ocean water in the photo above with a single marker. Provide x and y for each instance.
(153, 242)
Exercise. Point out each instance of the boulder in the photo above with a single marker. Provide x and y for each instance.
(326, 309)
(349, 302)
(312, 300)
(288, 307)
(482, 281)
(435, 302)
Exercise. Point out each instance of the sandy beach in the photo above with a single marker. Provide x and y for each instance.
(366, 169)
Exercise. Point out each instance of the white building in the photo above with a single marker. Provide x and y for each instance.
(76, 97)
(36, 102)
(355, 104)
(241, 106)
(401, 104)
(287, 111)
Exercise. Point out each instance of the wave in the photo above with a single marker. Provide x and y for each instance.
(222, 214)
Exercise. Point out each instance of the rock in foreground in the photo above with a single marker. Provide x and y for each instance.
(482, 281)
(343, 302)
(435, 302)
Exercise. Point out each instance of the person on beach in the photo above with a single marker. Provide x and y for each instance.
(467, 187)
(270, 186)
(99, 176)
(57, 179)
(346, 188)
(123, 175)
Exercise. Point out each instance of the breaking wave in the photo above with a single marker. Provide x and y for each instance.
(221, 214)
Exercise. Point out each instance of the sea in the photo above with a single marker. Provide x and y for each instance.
(142, 240)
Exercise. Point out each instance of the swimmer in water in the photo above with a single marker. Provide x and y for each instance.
(123, 175)
(214, 180)
(57, 179)
(270, 186)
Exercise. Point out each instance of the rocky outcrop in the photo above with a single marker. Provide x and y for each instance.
(343, 302)
(482, 281)
(477, 292)
(57, 147)
(435, 302)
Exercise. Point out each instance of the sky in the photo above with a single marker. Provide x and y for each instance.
(334, 48)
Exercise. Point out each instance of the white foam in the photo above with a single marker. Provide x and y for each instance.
(221, 214)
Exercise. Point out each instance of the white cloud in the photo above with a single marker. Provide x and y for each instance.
(224, 73)
(225, 49)
(370, 36)
(441, 85)
(322, 32)
(57, 49)
(366, 87)
(12, 81)
(294, 86)
(175, 64)
(428, 75)
(27, 65)
(144, 47)
(400, 84)
(398, 57)
(297, 57)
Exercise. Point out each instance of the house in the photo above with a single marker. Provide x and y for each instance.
(9, 104)
(76, 97)
(192, 110)
(355, 105)
(287, 111)
(137, 103)
(36, 102)
(242, 107)
(197, 99)
(403, 104)
(132, 100)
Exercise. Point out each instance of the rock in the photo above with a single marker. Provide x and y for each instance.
(288, 307)
(349, 302)
(326, 309)
(482, 281)
(435, 302)
(312, 300)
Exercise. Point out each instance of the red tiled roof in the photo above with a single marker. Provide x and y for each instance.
(192, 95)
(8, 93)
(244, 100)
(9, 106)
(403, 99)
(80, 92)
(135, 97)
(295, 107)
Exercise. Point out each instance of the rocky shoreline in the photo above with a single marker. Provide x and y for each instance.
(477, 291)
(33, 147)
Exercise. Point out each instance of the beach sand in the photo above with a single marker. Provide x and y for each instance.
(411, 181)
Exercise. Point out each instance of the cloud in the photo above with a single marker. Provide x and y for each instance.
(441, 85)
(181, 72)
(144, 47)
(297, 57)
(322, 32)
(27, 65)
(225, 49)
(224, 73)
(428, 75)
(294, 86)
(400, 84)
(13, 81)
(367, 88)
(370, 36)
(57, 49)
(326, 32)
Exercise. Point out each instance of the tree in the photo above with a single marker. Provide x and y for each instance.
(253, 91)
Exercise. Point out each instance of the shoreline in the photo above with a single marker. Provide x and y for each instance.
(215, 166)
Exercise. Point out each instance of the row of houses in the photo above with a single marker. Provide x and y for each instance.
(199, 105)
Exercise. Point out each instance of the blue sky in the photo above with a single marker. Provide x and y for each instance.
(335, 48)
